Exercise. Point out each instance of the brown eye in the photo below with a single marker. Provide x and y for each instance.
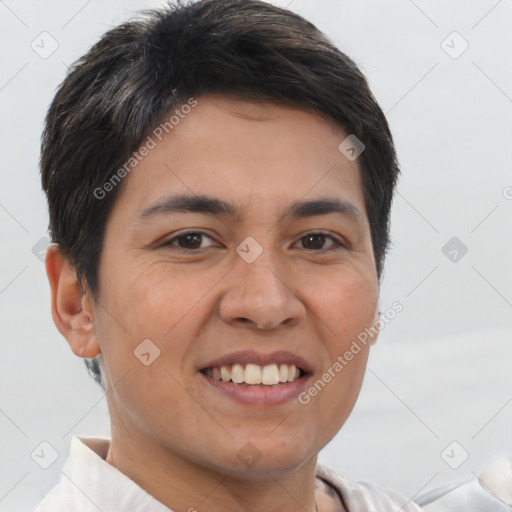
(188, 241)
(316, 241)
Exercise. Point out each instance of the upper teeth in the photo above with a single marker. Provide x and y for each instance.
(254, 374)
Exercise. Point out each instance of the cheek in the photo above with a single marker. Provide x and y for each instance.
(163, 305)
(332, 395)
(340, 398)
(345, 302)
(153, 300)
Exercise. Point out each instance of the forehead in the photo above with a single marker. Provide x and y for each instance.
(247, 153)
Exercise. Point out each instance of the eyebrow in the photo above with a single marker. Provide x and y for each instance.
(221, 208)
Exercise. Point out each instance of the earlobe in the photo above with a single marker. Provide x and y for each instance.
(72, 310)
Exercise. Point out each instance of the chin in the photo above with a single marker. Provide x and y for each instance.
(259, 455)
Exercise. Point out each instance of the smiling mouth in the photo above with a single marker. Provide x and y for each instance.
(253, 374)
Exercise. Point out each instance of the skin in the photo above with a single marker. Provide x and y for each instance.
(171, 433)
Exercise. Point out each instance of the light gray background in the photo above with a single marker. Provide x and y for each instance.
(441, 369)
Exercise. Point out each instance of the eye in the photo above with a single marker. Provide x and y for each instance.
(188, 241)
(195, 240)
(315, 241)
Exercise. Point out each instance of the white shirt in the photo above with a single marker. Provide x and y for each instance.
(90, 484)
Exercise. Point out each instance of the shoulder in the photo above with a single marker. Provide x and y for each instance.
(357, 496)
(490, 491)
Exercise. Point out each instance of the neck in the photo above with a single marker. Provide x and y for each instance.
(183, 485)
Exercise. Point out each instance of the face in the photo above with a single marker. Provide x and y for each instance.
(220, 256)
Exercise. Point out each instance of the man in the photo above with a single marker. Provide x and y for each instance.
(219, 180)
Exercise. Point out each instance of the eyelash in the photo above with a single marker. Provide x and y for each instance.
(337, 244)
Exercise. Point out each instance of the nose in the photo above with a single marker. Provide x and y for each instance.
(261, 295)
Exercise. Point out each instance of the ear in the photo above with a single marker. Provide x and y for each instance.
(72, 309)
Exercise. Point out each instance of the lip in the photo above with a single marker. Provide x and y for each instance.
(253, 357)
(258, 395)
